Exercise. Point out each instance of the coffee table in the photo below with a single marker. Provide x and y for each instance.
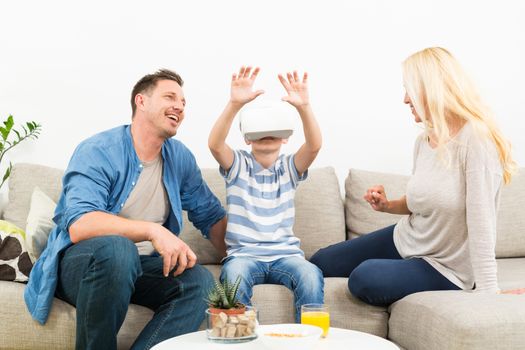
(337, 339)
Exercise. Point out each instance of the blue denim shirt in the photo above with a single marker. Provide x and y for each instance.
(101, 175)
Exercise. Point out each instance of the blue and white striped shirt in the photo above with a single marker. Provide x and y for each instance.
(261, 208)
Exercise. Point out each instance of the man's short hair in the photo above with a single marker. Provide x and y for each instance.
(148, 82)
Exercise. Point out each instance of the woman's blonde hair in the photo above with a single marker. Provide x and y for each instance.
(442, 94)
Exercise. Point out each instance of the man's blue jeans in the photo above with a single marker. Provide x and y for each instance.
(102, 276)
(296, 273)
(376, 273)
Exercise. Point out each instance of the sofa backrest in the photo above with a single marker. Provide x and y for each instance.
(23, 180)
(511, 218)
(362, 219)
(319, 207)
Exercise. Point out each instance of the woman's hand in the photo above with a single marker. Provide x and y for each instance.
(376, 197)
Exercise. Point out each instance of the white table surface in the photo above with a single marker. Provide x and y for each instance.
(338, 338)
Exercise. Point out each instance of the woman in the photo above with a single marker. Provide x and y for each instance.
(461, 161)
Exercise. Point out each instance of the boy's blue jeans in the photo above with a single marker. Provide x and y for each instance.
(304, 279)
(102, 276)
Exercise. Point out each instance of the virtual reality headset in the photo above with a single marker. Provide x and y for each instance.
(270, 120)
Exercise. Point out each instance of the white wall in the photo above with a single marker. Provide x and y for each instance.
(71, 67)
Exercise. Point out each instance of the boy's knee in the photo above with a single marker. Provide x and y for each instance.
(310, 275)
(235, 267)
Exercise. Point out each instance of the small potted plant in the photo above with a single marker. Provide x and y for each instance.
(223, 298)
(228, 319)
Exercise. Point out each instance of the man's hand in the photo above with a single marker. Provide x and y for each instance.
(297, 90)
(173, 250)
(242, 84)
(376, 197)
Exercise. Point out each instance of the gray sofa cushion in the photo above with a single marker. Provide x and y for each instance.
(511, 274)
(458, 320)
(362, 219)
(319, 214)
(19, 331)
(319, 211)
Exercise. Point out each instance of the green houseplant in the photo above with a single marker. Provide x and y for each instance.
(223, 297)
(10, 137)
(227, 318)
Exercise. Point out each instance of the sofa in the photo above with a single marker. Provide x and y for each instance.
(429, 320)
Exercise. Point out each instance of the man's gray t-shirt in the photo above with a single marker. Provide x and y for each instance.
(148, 201)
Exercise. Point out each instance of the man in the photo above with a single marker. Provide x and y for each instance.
(124, 186)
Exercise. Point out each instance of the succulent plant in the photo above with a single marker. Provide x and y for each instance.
(223, 295)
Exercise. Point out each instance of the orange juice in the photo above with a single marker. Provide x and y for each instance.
(317, 318)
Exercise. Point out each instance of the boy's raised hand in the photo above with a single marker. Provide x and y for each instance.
(297, 90)
(242, 84)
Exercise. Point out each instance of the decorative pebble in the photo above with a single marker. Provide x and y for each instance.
(242, 325)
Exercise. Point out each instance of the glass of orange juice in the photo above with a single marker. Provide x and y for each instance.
(316, 315)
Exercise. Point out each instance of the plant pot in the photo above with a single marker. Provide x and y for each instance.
(231, 325)
(235, 311)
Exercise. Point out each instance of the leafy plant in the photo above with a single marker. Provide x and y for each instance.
(31, 130)
(223, 295)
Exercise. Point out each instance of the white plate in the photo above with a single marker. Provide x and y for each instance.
(289, 336)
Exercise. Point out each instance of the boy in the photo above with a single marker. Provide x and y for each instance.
(260, 188)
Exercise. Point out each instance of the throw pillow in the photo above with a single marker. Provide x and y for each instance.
(15, 263)
(39, 222)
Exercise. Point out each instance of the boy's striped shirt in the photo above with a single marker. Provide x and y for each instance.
(261, 208)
